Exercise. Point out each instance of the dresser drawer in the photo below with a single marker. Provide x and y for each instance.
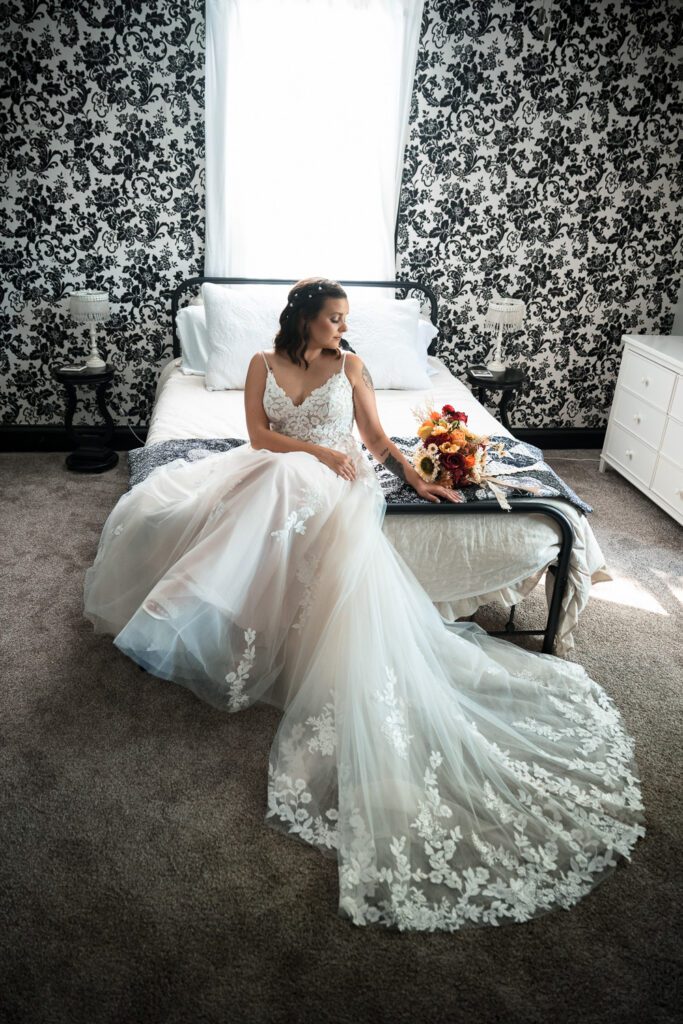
(677, 401)
(631, 453)
(638, 416)
(668, 483)
(672, 444)
(648, 380)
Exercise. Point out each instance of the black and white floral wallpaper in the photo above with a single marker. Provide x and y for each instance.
(101, 186)
(545, 169)
(552, 171)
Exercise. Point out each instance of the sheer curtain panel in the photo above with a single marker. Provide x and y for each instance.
(307, 107)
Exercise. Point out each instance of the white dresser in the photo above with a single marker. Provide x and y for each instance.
(644, 439)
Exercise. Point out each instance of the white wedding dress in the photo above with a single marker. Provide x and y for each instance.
(457, 779)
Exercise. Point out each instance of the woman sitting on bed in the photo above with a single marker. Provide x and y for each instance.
(458, 780)
(303, 361)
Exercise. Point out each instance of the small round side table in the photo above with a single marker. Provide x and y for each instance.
(508, 382)
(92, 452)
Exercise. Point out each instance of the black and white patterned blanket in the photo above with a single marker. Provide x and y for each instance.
(504, 453)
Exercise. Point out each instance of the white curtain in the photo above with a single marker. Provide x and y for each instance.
(307, 107)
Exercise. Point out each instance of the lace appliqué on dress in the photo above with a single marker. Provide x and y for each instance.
(298, 517)
(394, 725)
(237, 698)
(306, 574)
(288, 799)
(325, 738)
(514, 883)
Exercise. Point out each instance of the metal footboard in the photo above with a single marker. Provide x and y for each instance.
(518, 506)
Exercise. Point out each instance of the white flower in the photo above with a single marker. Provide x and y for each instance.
(427, 465)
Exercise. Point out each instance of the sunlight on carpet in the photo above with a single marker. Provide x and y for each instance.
(629, 593)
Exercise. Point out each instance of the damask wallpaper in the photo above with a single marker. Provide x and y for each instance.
(102, 138)
(549, 170)
(552, 172)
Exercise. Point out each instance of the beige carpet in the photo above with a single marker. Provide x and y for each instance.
(138, 882)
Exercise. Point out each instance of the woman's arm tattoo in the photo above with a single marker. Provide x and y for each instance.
(367, 379)
(393, 465)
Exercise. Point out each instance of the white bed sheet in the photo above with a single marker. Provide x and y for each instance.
(461, 561)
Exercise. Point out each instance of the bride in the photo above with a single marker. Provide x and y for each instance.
(457, 779)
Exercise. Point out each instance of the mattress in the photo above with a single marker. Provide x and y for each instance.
(462, 562)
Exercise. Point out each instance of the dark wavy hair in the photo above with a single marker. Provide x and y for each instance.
(304, 302)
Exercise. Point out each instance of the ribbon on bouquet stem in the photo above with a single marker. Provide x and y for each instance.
(494, 481)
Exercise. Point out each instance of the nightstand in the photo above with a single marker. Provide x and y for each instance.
(92, 452)
(508, 382)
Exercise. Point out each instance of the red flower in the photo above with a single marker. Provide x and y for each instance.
(451, 412)
(457, 466)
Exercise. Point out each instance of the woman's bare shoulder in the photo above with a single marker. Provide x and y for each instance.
(356, 370)
(354, 364)
(261, 358)
(257, 366)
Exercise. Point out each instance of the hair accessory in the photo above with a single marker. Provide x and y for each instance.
(300, 295)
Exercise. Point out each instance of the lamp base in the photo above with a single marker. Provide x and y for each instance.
(95, 362)
(495, 366)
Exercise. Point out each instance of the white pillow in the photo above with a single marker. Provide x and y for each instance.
(381, 332)
(238, 325)
(385, 336)
(426, 332)
(194, 339)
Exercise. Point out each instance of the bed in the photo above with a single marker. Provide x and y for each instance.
(465, 556)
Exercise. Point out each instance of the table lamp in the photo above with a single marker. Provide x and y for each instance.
(89, 307)
(503, 315)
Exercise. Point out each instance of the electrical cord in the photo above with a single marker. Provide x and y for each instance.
(136, 436)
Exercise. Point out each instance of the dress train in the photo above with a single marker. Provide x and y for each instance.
(458, 780)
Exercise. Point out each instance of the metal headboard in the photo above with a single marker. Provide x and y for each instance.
(400, 285)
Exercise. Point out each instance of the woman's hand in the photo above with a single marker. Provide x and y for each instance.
(341, 464)
(435, 492)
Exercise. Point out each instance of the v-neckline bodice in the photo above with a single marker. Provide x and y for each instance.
(299, 405)
(324, 416)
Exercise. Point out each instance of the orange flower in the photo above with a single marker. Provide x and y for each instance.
(458, 437)
(425, 429)
(448, 448)
(469, 461)
(435, 417)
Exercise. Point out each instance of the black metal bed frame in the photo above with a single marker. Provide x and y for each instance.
(519, 506)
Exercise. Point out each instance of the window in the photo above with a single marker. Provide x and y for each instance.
(307, 106)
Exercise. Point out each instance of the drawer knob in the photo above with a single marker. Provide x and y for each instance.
(629, 454)
(637, 417)
(646, 381)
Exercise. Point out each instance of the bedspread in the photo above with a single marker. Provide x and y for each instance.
(462, 562)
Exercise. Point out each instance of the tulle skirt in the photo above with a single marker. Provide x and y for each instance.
(456, 779)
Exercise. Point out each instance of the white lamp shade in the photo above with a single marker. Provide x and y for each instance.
(87, 307)
(507, 314)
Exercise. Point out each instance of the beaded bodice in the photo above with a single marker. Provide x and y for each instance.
(324, 417)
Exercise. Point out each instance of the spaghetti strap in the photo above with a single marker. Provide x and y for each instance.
(343, 359)
(266, 361)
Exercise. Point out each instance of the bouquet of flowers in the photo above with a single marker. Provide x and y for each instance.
(453, 456)
(449, 454)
